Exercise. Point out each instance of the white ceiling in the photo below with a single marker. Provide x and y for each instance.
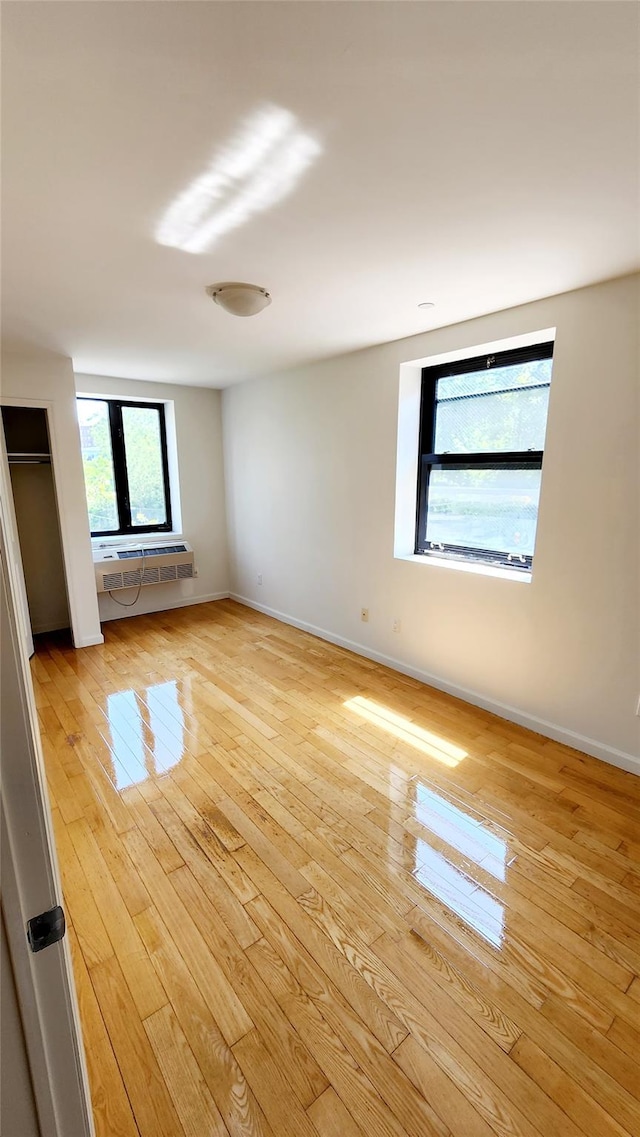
(479, 155)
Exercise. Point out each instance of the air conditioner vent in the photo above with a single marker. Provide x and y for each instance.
(111, 580)
(162, 550)
(154, 564)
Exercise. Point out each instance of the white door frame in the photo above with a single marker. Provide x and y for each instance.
(13, 548)
(30, 878)
(49, 407)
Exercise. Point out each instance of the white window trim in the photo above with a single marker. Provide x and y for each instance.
(469, 566)
(128, 540)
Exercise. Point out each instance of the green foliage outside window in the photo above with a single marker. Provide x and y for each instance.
(143, 463)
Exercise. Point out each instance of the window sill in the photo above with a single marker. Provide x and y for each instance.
(463, 566)
(127, 540)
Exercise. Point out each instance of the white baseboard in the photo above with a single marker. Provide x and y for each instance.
(90, 641)
(182, 603)
(503, 710)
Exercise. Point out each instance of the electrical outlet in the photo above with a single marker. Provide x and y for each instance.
(195, 572)
(396, 625)
(364, 615)
(259, 578)
(638, 706)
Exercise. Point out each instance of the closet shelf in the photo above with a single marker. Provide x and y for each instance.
(26, 458)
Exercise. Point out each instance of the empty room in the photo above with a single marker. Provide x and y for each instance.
(320, 552)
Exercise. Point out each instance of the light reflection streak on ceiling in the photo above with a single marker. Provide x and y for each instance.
(260, 165)
(406, 730)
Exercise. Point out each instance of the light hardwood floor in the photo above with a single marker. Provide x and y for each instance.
(310, 897)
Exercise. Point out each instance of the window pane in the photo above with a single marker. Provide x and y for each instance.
(144, 465)
(503, 408)
(95, 438)
(494, 509)
(513, 375)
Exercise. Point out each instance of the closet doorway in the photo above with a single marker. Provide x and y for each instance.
(36, 510)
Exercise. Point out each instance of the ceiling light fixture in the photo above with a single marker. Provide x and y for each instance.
(239, 299)
(426, 304)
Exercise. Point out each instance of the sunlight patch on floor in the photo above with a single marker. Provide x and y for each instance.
(406, 730)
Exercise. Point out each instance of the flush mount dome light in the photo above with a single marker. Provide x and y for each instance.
(238, 298)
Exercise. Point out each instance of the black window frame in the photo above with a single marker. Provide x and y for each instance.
(494, 459)
(121, 478)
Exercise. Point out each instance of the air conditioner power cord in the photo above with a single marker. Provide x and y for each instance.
(130, 604)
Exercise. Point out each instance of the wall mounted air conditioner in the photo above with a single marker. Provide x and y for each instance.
(129, 566)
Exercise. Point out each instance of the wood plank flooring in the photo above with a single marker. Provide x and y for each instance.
(310, 897)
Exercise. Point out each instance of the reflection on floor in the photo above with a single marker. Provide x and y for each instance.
(310, 897)
(146, 733)
(448, 825)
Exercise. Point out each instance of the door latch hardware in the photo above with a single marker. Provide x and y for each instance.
(46, 929)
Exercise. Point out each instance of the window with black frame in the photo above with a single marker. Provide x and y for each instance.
(126, 471)
(482, 431)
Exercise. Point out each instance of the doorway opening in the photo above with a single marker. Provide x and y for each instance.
(36, 510)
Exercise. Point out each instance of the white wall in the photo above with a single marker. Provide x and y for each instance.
(198, 438)
(40, 546)
(310, 471)
(34, 377)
